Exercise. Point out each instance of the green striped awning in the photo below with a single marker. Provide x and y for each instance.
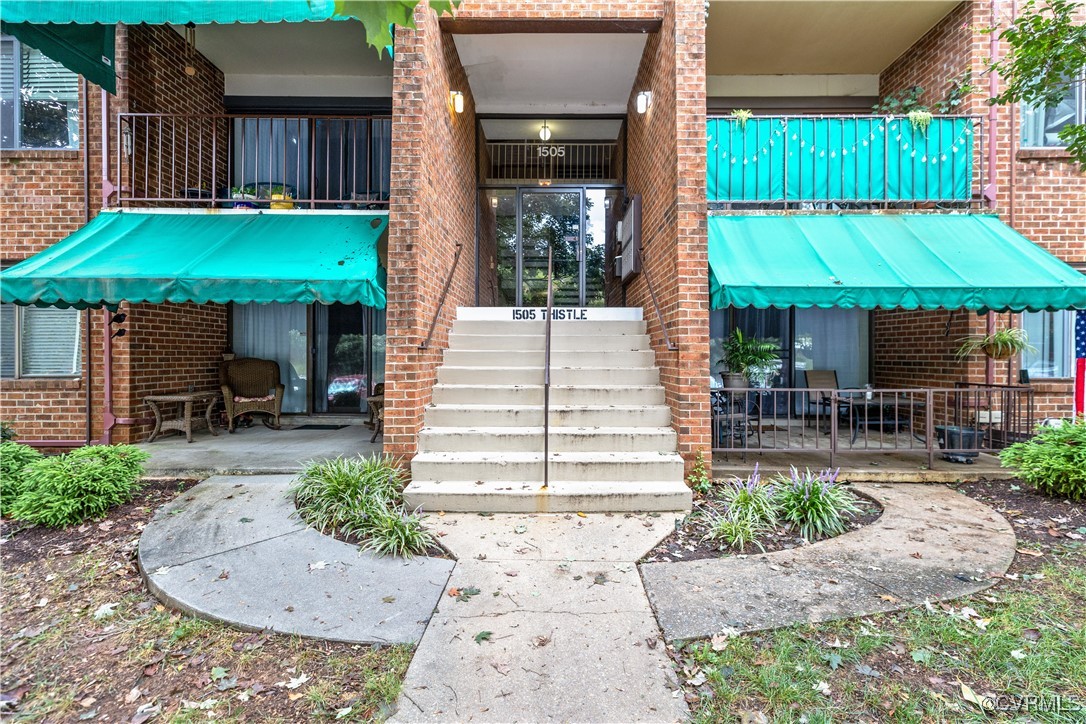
(226, 256)
(914, 261)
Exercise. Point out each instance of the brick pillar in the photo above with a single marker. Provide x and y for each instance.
(666, 165)
(432, 209)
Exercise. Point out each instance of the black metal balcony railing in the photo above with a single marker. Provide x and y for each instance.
(959, 422)
(254, 161)
(813, 162)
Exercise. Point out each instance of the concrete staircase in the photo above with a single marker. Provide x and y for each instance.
(611, 444)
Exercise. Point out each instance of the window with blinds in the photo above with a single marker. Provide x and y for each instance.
(39, 99)
(39, 341)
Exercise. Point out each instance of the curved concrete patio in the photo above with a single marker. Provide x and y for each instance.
(229, 550)
(931, 543)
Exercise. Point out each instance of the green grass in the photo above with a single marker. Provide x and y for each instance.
(1034, 645)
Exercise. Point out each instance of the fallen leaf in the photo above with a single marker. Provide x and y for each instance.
(1018, 654)
(822, 688)
(697, 680)
(245, 520)
(318, 566)
(520, 529)
(295, 682)
(389, 599)
(581, 515)
(865, 670)
(340, 713)
(454, 592)
(918, 555)
(483, 636)
(888, 598)
(832, 660)
(465, 594)
(541, 641)
(1031, 634)
(971, 696)
(1028, 552)
(105, 611)
(132, 696)
(922, 656)
(719, 642)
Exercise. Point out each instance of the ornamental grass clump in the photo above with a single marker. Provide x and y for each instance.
(815, 504)
(736, 527)
(14, 459)
(751, 498)
(1054, 461)
(85, 483)
(361, 498)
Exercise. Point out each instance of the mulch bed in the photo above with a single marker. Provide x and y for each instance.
(688, 542)
(1041, 523)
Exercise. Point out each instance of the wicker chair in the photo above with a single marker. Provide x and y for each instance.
(249, 386)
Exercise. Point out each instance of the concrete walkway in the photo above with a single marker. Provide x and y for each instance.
(571, 635)
(931, 543)
(228, 550)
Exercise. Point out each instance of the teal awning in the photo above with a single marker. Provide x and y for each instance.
(229, 256)
(174, 12)
(87, 50)
(917, 261)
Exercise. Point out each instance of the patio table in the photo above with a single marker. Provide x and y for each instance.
(880, 410)
(186, 402)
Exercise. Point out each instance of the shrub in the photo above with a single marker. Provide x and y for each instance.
(13, 461)
(82, 484)
(361, 497)
(815, 503)
(1054, 461)
(736, 527)
(751, 497)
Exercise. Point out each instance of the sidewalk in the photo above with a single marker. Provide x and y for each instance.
(571, 634)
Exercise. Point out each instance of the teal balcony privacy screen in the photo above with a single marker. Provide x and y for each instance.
(844, 158)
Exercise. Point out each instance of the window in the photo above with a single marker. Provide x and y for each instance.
(1041, 126)
(1050, 333)
(39, 341)
(39, 99)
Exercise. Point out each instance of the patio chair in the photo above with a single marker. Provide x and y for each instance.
(820, 385)
(252, 386)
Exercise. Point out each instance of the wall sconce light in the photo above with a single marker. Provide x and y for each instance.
(457, 99)
(493, 202)
(545, 132)
(644, 101)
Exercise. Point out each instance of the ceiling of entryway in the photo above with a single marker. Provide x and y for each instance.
(551, 73)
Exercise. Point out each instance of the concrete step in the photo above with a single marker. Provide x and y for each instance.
(464, 415)
(559, 358)
(527, 375)
(522, 467)
(563, 439)
(560, 394)
(467, 326)
(575, 342)
(560, 497)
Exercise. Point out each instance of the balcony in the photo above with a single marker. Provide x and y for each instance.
(248, 161)
(835, 163)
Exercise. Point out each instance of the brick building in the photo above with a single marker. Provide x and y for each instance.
(518, 127)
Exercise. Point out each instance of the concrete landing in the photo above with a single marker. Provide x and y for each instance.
(898, 466)
(931, 543)
(572, 636)
(228, 550)
(254, 450)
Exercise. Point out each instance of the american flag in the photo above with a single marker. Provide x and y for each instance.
(1080, 362)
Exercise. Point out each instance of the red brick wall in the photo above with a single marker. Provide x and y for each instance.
(432, 209)
(666, 165)
(1039, 193)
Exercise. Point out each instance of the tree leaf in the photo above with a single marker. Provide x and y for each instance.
(378, 16)
(971, 696)
(832, 660)
(483, 636)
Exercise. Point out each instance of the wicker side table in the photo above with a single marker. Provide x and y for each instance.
(186, 401)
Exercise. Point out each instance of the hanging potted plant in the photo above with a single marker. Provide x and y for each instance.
(750, 361)
(1000, 344)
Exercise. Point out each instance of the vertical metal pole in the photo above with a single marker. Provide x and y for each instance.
(834, 406)
(547, 372)
(929, 425)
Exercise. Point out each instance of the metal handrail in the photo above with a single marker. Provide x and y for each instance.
(671, 346)
(547, 369)
(444, 293)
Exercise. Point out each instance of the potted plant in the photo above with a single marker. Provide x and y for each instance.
(1000, 344)
(281, 198)
(749, 360)
(242, 198)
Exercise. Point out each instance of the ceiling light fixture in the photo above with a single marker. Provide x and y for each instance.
(457, 98)
(545, 132)
(644, 101)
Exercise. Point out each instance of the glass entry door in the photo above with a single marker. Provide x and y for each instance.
(551, 220)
